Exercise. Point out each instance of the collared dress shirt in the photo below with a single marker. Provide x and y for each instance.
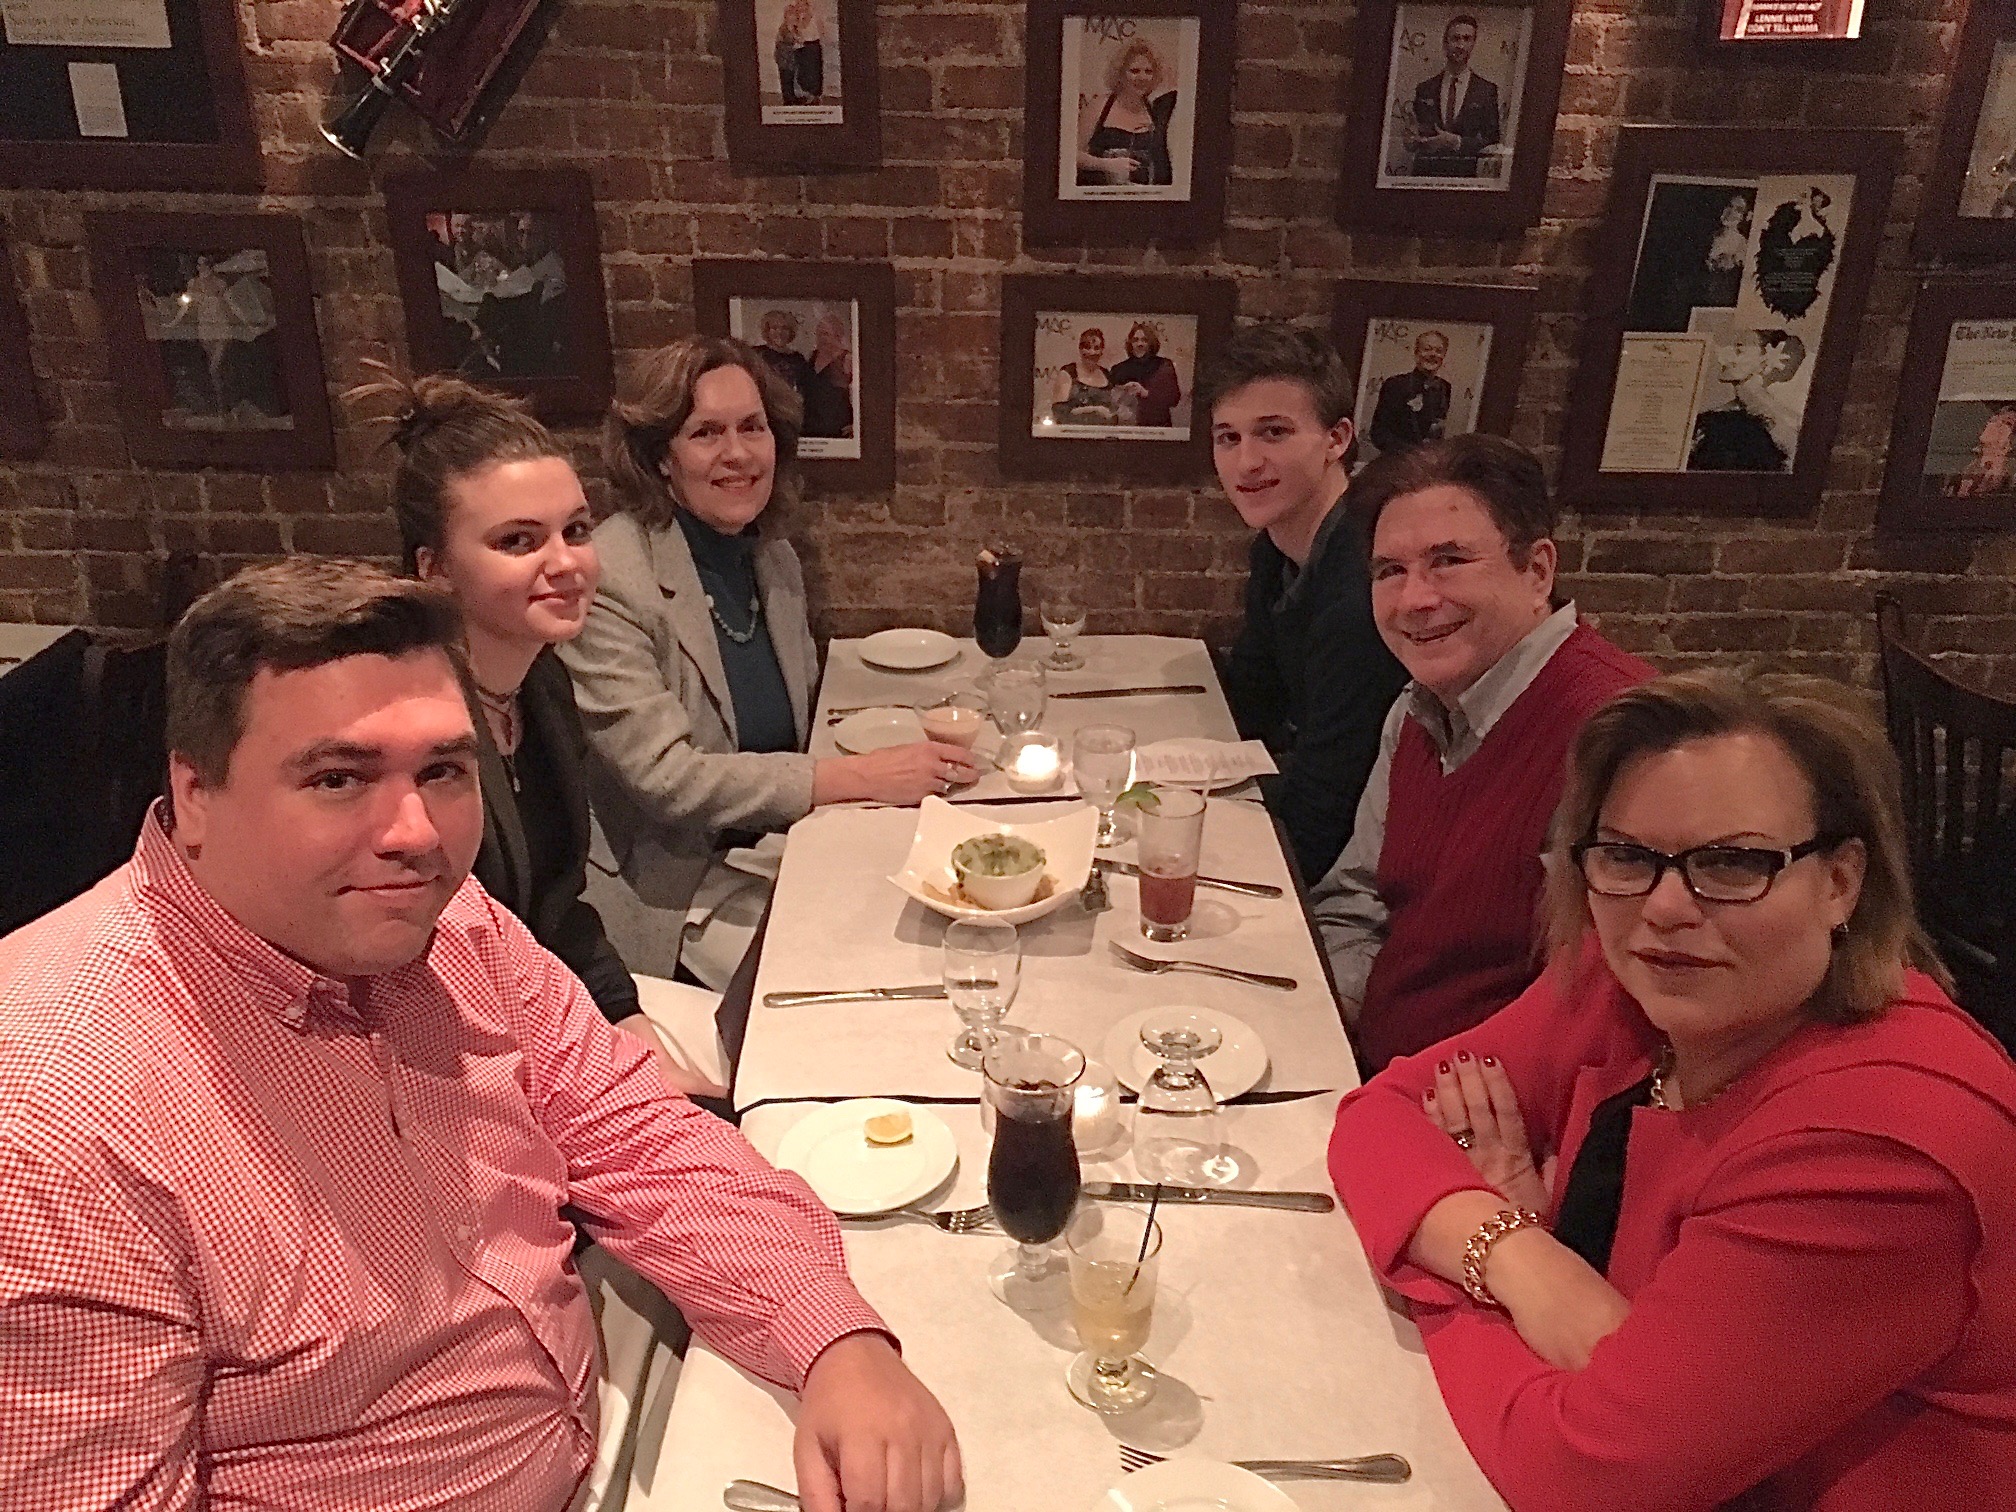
(1349, 913)
(270, 1240)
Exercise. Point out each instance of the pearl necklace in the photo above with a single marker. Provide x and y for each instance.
(740, 637)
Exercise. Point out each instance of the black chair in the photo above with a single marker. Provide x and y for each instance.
(1957, 747)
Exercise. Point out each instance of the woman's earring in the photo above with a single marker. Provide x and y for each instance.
(1841, 934)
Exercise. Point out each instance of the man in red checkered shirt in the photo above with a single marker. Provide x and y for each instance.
(290, 1111)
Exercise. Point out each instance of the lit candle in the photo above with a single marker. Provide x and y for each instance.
(1095, 1109)
(1032, 763)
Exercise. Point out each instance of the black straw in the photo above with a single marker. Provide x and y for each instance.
(1147, 1232)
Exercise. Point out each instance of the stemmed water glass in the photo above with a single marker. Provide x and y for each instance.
(1063, 621)
(1113, 1255)
(1102, 760)
(1016, 694)
(983, 967)
(1031, 1083)
(1178, 1130)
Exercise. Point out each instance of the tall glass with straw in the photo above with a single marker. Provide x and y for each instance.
(1114, 1254)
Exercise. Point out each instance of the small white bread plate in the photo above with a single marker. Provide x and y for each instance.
(873, 729)
(927, 870)
(829, 1148)
(1233, 1069)
(908, 650)
(1193, 1485)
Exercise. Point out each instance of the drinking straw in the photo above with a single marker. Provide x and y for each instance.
(1148, 1228)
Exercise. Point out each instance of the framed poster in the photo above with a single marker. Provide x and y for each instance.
(1729, 284)
(1970, 191)
(211, 327)
(1455, 138)
(1952, 461)
(1431, 360)
(802, 86)
(21, 430)
(1798, 30)
(1128, 126)
(501, 276)
(829, 330)
(124, 94)
(1098, 373)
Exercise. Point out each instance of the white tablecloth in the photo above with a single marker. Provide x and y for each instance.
(836, 921)
(1272, 1334)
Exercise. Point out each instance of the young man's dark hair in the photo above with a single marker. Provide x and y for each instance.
(1274, 350)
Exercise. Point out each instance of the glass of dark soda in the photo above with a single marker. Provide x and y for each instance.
(1031, 1085)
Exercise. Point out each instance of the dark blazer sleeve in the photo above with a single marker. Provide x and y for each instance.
(1389, 415)
(1260, 697)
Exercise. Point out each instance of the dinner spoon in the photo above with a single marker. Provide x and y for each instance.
(754, 1496)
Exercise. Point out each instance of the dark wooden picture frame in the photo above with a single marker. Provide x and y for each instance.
(129, 247)
(871, 289)
(22, 433)
(1506, 310)
(1981, 493)
(204, 43)
(1210, 302)
(1049, 219)
(506, 341)
(1420, 208)
(1744, 157)
(1820, 51)
(854, 140)
(1942, 230)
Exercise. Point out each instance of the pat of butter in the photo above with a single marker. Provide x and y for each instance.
(888, 1129)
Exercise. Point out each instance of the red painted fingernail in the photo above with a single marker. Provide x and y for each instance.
(1431, 1095)
(1443, 1067)
(1490, 1060)
(1463, 1055)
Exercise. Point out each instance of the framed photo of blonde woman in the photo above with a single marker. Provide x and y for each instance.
(802, 90)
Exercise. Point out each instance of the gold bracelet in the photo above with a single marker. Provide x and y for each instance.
(1478, 1250)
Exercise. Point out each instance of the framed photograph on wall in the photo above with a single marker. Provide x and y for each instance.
(802, 88)
(1730, 280)
(1970, 191)
(138, 94)
(21, 430)
(1098, 374)
(1128, 128)
(829, 330)
(211, 328)
(501, 275)
(1456, 135)
(1796, 30)
(1431, 360)
(1952, 461)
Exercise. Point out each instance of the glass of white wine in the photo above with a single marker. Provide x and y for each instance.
(1114, 1254)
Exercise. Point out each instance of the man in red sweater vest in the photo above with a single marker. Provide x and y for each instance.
(1429, 915)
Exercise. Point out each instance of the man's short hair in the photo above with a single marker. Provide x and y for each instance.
(287, 616)
(1506, 478)
(1436, 334)
(1279, 350)
(1455, 21)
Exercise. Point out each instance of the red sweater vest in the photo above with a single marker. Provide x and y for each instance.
(1460, 868)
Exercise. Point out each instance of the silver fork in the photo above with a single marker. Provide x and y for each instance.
(1230, 973)
(1386, 1469)
(973, 1220)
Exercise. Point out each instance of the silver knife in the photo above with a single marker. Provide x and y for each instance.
(1223, 884)
(1129, 692)
(853, 995)
(1141, 1191)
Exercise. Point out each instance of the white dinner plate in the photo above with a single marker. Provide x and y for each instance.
(1193, 1485)
(927, 875)
(830, 1149)
(873, 729)
(1233, 1069)
(908, 650)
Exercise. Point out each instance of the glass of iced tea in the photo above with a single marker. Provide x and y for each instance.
(1170, 836)
(1113, 1253)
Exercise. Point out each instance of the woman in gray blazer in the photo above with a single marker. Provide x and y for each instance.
(695, 671)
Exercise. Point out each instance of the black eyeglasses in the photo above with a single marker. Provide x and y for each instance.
(1713, 873)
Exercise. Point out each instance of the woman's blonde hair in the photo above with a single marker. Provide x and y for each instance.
(657, 398)
(1139, 47)
(447, 428)
(1853, 777)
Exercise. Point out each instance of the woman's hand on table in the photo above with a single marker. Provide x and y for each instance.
(903, 774)
(870, 1437)
(1474, 1098)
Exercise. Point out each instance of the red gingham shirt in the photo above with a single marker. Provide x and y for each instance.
(270, 1241)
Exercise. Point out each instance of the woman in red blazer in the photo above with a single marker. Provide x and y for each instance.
(1720, 1212)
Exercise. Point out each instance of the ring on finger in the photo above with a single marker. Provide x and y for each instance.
(1464, 1138)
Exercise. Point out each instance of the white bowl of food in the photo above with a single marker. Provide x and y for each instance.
(999, 870)
(1066, 841)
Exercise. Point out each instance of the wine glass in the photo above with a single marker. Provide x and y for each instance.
(1031, 1081)
(1102, 760)
(983, 966)
(1015, 696)
(1063, 621)
(1113, 1257)
(1178, 1129)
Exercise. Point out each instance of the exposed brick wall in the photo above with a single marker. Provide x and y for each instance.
(631, 92)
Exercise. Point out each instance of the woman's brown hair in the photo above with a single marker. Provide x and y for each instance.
(1853, 778)
(654, 403)
(448, 428)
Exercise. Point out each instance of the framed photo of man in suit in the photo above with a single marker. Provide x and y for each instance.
(1457, 137)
